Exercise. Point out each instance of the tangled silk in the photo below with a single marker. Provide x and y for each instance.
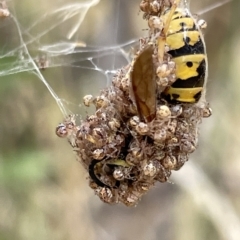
(146, 123)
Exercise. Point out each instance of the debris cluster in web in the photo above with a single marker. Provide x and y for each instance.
(4, 12)
(136, 137)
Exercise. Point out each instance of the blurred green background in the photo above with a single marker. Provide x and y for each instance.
(44, 193)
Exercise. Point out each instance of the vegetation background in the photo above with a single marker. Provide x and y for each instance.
(43, 190)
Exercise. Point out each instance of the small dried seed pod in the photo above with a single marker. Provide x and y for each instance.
(41, 61)
(169, 162)
(188, 112)
(89, 138)
(155, 22)
(118, 174)
(98, 133)
(182, 127)
(4, 12)
(202, 24)
(79, 135)
(160, 154)
(132, 109)
(142, 128)
(187, 146)
(108, 180)
(132, 198)
(119, 138)
(206, 112)
(171, 78)
(123, 188)
(131, 160)
(137, 153)
(125, 84)
(149, 169)
(61, 130)
(155, 6)
(176, 110)
(181, 159)
(115, 82)
(88, 100)
(70, 125)
(162, 82)
(101, 102)
(160, 135)
(101, 115)
(171, 66)
(163, 174)
(99, 137)
(93, 120)
(172, 141)
(172, 126)
(106, 195)
(114, 124)
(98, 154)
(143, 187)
(92, 184)
(162, 71)
(163, 112)
(144, 6)
(134, 121)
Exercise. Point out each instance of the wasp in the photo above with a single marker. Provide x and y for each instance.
(187, 48)
(178, 35)
(181, 35)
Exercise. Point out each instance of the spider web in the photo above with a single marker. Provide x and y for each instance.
(67, 34)
(66, 42)
(76, 36)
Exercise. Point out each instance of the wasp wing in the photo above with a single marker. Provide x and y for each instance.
(144, 84)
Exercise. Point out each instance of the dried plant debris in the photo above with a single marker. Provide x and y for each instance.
(154, 7)
(4, 12)
(146, 123)
(42, 62)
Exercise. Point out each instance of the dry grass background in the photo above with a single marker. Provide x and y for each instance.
(43, 191)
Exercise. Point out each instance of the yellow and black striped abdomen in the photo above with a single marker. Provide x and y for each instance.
(188, 52)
